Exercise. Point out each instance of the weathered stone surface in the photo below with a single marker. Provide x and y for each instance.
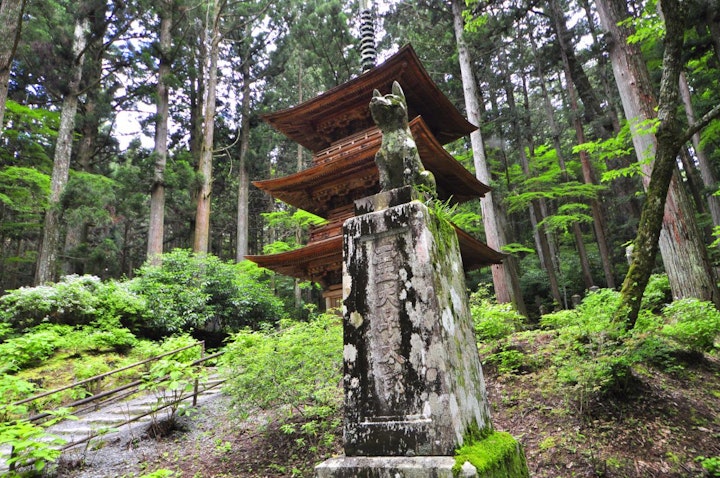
(391, 467)
(392, 198)
(413, 381)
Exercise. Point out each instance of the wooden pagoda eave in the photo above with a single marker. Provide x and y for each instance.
(326, 257)
(329, 117)
(304, 262)
(349, 166)
(475, 253)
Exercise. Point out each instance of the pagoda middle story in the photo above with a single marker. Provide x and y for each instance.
(337, 128)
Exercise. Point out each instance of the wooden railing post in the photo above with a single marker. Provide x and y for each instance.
(197, 379)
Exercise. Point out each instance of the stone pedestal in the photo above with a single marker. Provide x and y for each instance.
(392, 467)
(414, 388)
(413, 382)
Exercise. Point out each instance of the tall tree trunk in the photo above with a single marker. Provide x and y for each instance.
(588, 178)
(544, 247)
(603, 70)
(10, 24)
(505, 276)
(205, 165)
(594, 113)
(243, 215)
(554, 128)
(707, 173)
(156, 225)
(47, 257)
(667, 221)
(89, 117)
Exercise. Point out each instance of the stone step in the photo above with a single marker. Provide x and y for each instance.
(108, 419)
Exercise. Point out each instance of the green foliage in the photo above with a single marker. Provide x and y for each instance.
(31, 444)
(567, 215)
(13, 389)
(298, 366)
(509, 361)
(647, 27)
(188, 291)
(30, 349)
(86, 198)
(692, 323)
(289, 226)
(118, 338)
(711, 464)
(493, 321)
(24, 190)
(75, 300)
(468, 220)
(587, 349)
(657, 293)
(161, 473)
(170, 380)
(515, 248)
(29, 136)
(602, 151)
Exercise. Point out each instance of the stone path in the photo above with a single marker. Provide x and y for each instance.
(110, 419)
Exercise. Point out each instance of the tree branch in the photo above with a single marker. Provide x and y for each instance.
(701, 123)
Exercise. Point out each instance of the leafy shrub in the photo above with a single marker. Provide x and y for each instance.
(29, 349)
(560, 319)
(692, 323)
(492, 321)
(5, 330)
(74, 300)
(657, 293)
(30, 443)
(298, 366)
(711, 464)
(589, 353)
(13, 389)
(117, 302)
(508, 361)
(188, 292)
(117, 338)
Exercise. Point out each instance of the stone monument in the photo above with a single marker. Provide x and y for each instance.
(414, 388)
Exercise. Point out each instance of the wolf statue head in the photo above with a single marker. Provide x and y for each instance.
(389, 111)
(397, 159)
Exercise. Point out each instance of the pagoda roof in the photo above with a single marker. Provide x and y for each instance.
(344, 110)
(321, 261)
(346, 171)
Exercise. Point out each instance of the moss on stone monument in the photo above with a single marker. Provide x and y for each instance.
(498, 455)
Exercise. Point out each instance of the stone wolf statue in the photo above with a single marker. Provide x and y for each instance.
(397, 159)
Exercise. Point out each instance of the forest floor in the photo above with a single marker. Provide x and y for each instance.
(658, 427)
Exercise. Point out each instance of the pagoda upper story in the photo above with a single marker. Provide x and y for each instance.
(337, 127)
(343, 111)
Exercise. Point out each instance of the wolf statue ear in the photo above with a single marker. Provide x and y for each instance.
(397, 91)
(376, 93)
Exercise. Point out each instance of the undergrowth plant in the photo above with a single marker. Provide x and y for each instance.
(587, 352)
(493, 321)
(171, 378)
(296, 368)
(30, 445)
(31, 348)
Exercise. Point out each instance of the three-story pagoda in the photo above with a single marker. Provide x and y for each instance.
(337, 128)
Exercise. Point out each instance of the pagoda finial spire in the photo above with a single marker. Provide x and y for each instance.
(368, 54)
